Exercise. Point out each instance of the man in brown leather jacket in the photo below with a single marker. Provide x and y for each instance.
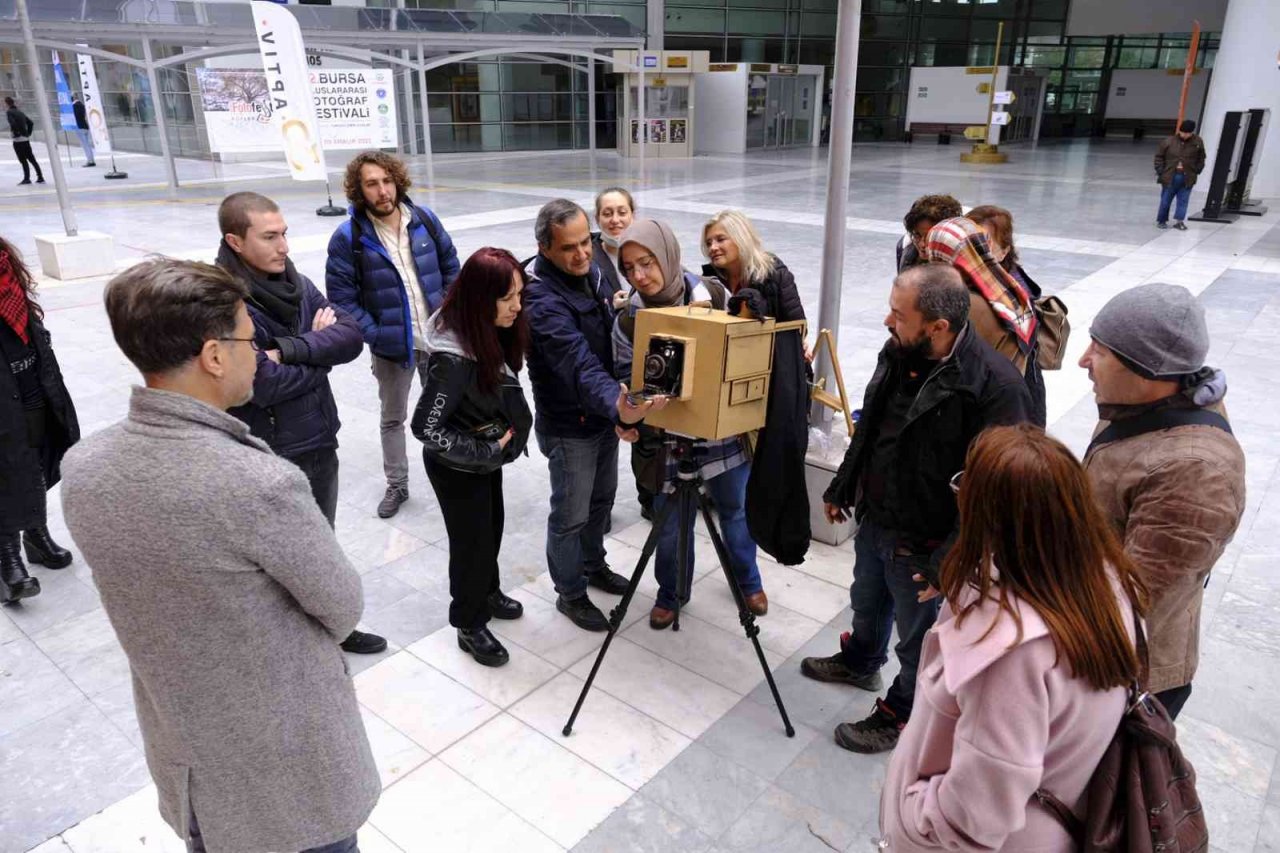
(1164, 464)
(1179, 159)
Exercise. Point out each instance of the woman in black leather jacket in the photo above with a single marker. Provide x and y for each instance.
(472, 419)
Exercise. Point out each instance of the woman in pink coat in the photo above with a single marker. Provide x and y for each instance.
(1022, 680)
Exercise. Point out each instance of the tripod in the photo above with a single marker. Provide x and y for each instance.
(689, 497)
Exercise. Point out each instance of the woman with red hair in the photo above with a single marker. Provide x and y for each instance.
(472, 419)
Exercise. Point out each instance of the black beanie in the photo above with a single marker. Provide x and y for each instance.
(1187, 126)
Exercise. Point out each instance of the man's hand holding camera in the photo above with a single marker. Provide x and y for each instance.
(633, 408)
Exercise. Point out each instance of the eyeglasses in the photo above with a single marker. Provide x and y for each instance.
(252, 342)
(645, 264)
(956, 478)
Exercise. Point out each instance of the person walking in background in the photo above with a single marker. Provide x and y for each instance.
(38, 424)
(299, 338)
(472, 419)
(1025, 677)
(936, 386)
(1179, 161)
(223, 581)
(82, 129)
(389, 267)
(926, 212)
(21, 128)
(1167, 471)
(615, 209)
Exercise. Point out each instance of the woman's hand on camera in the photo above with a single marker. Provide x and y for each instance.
(835, 514)
(506, 438)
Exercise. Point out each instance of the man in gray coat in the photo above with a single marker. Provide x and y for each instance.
(223, 581)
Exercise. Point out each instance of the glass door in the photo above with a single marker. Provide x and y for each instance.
(803, 109)
(774, 112)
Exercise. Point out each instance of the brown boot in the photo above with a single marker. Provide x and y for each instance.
(758, 603)
(660, 618)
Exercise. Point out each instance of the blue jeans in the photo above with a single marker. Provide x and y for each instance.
(196, 842)
(584, 481)
(884, 593)
(1177, 187)
(86, 142)
(729, 494)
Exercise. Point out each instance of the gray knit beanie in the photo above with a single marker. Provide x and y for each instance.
(1157, 330)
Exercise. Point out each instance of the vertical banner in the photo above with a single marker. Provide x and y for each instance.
(293, 111)
(66, 112)
(93, 106)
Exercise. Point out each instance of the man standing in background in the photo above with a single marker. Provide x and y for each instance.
(82, 129)
(1179, 160)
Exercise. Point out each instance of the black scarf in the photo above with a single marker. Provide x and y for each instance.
(278, 295)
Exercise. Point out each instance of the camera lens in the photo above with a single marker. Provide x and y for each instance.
(655, 367)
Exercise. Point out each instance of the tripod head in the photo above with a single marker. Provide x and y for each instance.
(681, 448)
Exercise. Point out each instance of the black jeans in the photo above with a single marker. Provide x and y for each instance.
(321, 468)
(346, 845)
(1174, 698)
(473, 514)
(28, 159)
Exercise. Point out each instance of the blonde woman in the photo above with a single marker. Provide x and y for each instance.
(731, 243)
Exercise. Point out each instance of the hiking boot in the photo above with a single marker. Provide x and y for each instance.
(877, 733)
(607, 580)
(582, 613)
(836, 671)
(391, 501)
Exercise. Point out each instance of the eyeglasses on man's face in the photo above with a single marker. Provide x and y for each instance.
(252, 342)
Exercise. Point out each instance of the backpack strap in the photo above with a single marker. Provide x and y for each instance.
(429, 221)
(1160, 419)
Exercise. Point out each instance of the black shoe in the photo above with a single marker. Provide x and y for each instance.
(608, 580)
(1180, 225)
(24, 182)
(43, 551)
(646, 512)
(391, 501)
(1162, 225)
(877, 733)
(15, 583)
(40, 180)
(360, 643)
(834, 670)
(87, 165)
(483, 646)
(582, 613)
(503, 606)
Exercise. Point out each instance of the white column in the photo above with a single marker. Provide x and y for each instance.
(1245, 75)
(655, 23)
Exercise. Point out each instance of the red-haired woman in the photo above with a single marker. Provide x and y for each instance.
(37, 425)
(473, 419)
(1023, 679)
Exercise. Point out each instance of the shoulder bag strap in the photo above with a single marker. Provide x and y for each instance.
(1165, 418)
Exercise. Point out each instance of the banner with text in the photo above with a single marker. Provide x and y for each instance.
(293, 112)
(93, 108)
(355, 108)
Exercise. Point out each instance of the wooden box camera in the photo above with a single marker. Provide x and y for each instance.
(714, 366)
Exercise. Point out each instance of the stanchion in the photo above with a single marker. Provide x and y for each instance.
(330, 209)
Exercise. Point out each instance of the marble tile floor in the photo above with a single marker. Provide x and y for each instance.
(679, 745)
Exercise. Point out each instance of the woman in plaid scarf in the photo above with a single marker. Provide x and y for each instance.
(38, 423)
(1001, 311)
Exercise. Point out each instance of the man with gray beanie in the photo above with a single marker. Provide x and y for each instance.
(1164, 464)
(1179, 159)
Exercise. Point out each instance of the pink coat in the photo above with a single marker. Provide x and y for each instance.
(991, 724)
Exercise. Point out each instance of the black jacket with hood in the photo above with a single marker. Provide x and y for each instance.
(453, 411)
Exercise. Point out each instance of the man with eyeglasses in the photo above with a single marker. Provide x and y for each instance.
(937, 385)
(926, 212)
(300, 337)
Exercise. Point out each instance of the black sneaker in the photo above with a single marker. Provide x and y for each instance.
(1162, 225)
(607, 580)
(24, 182)
(391, 501)
(1180, 225)
(503, 606)
(360, 643)
(39, 180)
(582, 613)
(877, 733)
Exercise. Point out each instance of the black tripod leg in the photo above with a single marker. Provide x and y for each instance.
(685, 496)
(619, 613)
(745, 616)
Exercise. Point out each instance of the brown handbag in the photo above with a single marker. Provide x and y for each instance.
(1142, 795)
(1053, 329)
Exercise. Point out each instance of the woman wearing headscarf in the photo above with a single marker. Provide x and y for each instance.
(650, 259)
(1001, 311)
(37, 426)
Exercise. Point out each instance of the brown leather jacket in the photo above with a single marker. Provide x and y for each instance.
(1174, 150)
(1175, 497)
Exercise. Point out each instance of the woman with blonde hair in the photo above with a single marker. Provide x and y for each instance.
(739, 260)
(1025, 676)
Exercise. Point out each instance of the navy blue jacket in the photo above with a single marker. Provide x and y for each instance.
(292, 408)
(381, 305)
(575, 393)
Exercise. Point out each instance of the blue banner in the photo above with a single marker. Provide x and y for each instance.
(65, 109)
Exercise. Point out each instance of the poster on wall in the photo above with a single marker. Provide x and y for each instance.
(635, 132)
(355, 109)
(679, 130)
(658, 130)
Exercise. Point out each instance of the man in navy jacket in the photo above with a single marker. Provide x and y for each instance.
(298, 336)
(568, 304)
(389, 266)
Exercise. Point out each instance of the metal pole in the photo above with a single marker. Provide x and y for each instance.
(995, 71)
(46, 123)
(1188, 71)
(591, 105)
(644, 128)
(162, 123)
(833, 238)
(426, 116)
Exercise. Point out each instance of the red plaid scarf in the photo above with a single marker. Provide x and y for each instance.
(13, 299)
(963, 245)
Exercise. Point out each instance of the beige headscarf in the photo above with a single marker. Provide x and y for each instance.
(661, 242)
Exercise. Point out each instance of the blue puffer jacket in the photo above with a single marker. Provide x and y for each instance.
(381, 305)
(293, 408)
(571, 353)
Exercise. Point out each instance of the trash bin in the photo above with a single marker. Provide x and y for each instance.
(818, 473)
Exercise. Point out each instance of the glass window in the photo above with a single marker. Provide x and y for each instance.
(898, 6)
(634, 15)
(757, 22)
(881, 53)
(1049, 8)
(1173, 57)
(815, 51)
(882, 79)
(994, 8)
(1086, 57)
(682, 20)
(873, 26)
(1136, 57)
(535, 77)
(755, 50)
(714, 45)
(944, 29)
(1042, 56)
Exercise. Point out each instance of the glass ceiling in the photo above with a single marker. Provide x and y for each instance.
(408, 22)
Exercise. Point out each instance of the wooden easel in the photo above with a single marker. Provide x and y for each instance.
(823, 396)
